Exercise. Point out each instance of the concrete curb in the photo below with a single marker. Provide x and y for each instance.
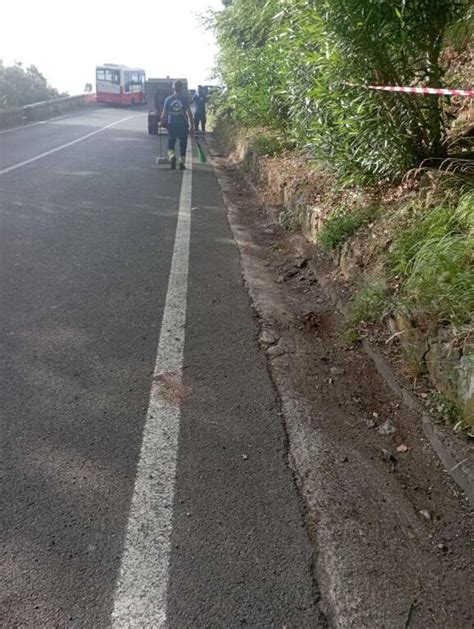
(453, 453)
(459, 467)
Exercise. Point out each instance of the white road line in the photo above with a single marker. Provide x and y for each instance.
(140, 596)
(64, 146)
(33, 124)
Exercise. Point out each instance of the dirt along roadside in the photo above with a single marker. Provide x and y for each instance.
(390, 529)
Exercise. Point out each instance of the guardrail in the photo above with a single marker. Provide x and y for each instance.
(44, 110)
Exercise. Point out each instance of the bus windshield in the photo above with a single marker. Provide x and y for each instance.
(107, 74)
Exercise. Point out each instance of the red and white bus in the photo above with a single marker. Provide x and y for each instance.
(120, 85)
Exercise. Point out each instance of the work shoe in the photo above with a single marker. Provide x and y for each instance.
(182, 166)
(173, 162)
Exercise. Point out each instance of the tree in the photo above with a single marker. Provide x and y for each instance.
(20, 86)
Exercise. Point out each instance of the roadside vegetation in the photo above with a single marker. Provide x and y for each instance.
(298, 71)
(301, 66)
(434, 260)
(21, 86)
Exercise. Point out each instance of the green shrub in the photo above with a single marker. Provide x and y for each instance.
(268, 145)
(341, 224)
(461, 34)
(367, 305)
(445, 409)
(434, 258)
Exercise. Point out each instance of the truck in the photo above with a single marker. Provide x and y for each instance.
(157, 90)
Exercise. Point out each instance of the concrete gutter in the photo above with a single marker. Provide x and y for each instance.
(454, 454)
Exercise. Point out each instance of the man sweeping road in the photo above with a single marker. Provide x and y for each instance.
(178, 118)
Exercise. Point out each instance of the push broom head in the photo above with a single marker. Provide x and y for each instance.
(201, 153)
(161, 160)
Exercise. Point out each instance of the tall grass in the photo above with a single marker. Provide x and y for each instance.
(435, 261)
(367, 305)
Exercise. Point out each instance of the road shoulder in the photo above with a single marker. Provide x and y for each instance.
(240, 554)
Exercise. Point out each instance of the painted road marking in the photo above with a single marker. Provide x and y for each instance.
(64, 146)
(140, 596)
(33, 124)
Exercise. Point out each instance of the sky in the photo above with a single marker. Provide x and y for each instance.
(67, 40)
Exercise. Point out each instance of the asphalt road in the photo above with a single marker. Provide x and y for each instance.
(129, 499)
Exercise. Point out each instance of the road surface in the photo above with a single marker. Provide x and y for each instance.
(145, 480)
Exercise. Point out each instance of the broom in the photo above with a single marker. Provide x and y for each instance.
(201, 151)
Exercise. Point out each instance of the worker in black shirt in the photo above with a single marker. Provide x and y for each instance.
(199, 102)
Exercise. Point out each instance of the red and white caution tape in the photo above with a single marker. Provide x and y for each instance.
(422, 90)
